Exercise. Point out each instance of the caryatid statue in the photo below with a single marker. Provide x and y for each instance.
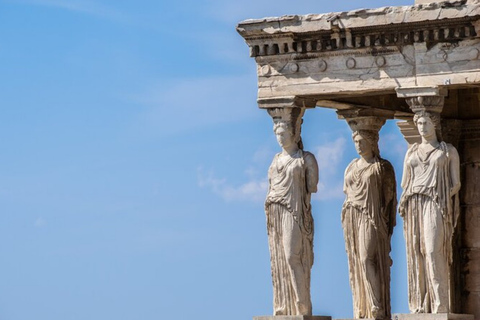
(368, 218)
(429, 207)
(293, 176)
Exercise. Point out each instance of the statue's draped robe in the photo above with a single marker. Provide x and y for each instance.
(430, 213)
(290, 231)
(368, 218)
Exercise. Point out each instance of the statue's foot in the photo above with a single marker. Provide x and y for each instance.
(440, 309)
(279, 312)
(378, 313)
(302, 309)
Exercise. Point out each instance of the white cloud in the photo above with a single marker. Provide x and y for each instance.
(40, 223)
(329, 156)
(253, 190)
(393, 146)
(264, 154)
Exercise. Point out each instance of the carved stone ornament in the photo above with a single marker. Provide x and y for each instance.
(293, 176)
(369, 123)
(430, 207)
(368, 218)
(426, 103)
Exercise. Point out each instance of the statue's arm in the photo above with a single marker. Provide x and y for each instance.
(390, 195)
(454, 170)
(406, 172)
(349, 167)
(311, 172)
(406, 178)
(270, 173)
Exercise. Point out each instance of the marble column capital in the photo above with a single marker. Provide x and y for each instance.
(287, 102)
(426, 99)
(365, 119)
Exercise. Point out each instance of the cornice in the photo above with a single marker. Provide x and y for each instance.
(362, 29)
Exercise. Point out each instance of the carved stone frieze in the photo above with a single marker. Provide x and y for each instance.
(429, 104)
(389, 26)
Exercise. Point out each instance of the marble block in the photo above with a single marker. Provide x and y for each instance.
(432, 316)
(292, 318)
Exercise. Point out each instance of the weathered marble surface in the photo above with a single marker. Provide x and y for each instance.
(431, 316)
(293, 176)
(359, 59)
(373, 50)
(368, 219)
(430, 207)
(300, 317)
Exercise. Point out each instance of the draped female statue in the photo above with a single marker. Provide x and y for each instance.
(368, 218)
(293, 176)
(429, 207)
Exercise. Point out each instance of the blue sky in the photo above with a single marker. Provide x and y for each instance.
(133, 164)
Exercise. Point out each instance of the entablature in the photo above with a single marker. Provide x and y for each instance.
(350, 56)
(432, 23)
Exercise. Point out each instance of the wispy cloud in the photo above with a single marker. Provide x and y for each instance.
(82, 6)
(393, 146)
(40, 223)
(253, 190)
(188, 104)
(329, 157)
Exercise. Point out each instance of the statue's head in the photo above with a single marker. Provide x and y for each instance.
(365, 130)
(287, 125)
(284, 132)
(428, 124)
(366, 142)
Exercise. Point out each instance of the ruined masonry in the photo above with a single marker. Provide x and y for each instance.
(388, 63)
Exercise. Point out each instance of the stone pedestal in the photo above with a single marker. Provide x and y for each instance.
(354, 319)
(432, 316)
(292, 318)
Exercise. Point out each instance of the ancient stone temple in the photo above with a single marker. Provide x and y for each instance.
(419, 64)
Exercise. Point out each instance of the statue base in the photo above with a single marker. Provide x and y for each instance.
(355, 319)
(292, 318)
(432, 316)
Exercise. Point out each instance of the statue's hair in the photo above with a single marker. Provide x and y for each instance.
(434, 117)
(286, 125)
(371, 136)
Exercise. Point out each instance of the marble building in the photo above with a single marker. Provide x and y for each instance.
(419, 64)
